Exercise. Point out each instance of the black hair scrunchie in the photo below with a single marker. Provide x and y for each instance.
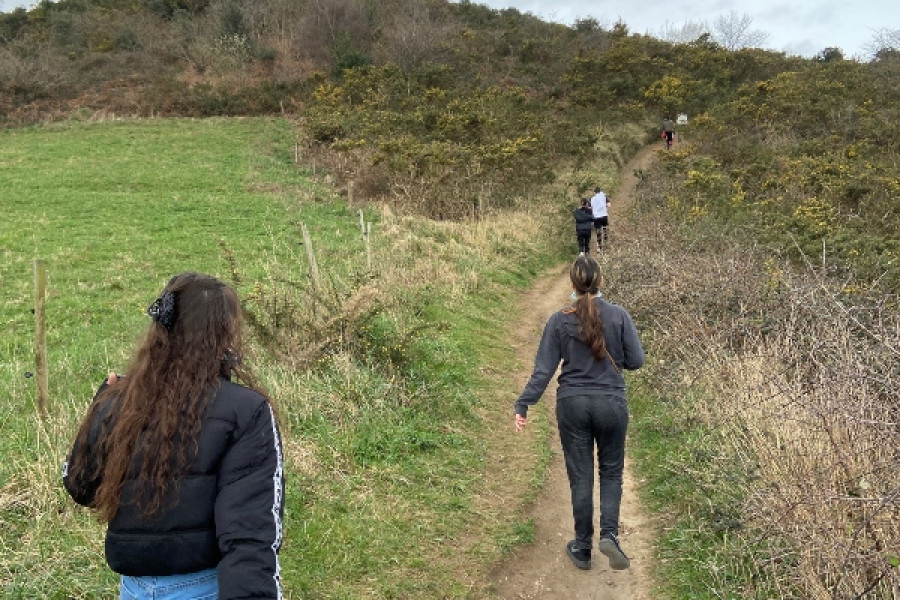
(163, 310)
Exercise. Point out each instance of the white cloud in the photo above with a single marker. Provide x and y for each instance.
(799, 28)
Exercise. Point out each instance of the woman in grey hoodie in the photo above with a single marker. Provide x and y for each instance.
(595, 340)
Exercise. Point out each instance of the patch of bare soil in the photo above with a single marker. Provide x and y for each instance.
(542, 569)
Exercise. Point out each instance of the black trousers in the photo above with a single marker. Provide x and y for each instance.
(584, 242)
(601, 225)
(585, 422)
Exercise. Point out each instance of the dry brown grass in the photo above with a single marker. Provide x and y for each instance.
(824, 426)
(802, 379)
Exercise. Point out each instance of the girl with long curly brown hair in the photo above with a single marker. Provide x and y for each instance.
(184, 465)
(595, 340)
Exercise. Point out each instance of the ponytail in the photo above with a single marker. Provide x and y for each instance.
(585, 276)
(590, 326)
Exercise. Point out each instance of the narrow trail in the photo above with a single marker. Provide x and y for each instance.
(542, 570)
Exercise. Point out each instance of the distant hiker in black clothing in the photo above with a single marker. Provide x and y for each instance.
(668, 129)
(595, 340)
(584, 223)
(184, 466)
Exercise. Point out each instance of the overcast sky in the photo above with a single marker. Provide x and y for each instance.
(802, 28)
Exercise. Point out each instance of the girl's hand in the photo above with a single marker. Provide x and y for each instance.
(520, 422)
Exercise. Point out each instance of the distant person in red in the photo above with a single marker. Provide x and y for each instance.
(668, 129)
(595, 340)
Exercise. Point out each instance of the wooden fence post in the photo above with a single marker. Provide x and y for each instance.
(369, 245)
(41, 375)
(365, 230)
(310, 256)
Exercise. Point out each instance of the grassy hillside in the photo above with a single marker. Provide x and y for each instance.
(115, 209)
(437, 108)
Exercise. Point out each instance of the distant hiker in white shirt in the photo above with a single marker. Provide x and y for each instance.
(599, 208)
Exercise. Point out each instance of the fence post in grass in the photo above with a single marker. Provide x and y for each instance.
(365, 230)
(369, 245)
(296, 153)
(310, 256)
(41, 375)
(350, 194)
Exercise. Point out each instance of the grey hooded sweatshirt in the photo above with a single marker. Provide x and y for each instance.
(581, 373)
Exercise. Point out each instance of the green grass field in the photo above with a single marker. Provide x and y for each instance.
(114, 209)
(385, 440)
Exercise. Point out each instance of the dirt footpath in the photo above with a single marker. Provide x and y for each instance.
(542, 569)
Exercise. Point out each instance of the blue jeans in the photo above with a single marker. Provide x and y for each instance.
(201, 585)
(583, 422)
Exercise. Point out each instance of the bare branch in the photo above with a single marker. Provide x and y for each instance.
(733, 32)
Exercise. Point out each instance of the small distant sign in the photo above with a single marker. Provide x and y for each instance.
(682, 119)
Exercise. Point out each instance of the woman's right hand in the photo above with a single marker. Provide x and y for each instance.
(520, 423)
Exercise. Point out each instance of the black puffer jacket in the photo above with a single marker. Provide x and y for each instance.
(584, 220)
(228, 510)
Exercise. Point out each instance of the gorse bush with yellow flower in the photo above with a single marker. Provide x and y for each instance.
(774, 395)
(804, 162)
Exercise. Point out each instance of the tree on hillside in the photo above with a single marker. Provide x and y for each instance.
(733, 31)
(335, 31)
(830, 54)
(884, 42)
(411, 38)
(586, 25)
(592, 35)
(170, 8)
(12, 24)
(685, 33)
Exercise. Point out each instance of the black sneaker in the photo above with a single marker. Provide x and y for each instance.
(609, 546)
(581, 558)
